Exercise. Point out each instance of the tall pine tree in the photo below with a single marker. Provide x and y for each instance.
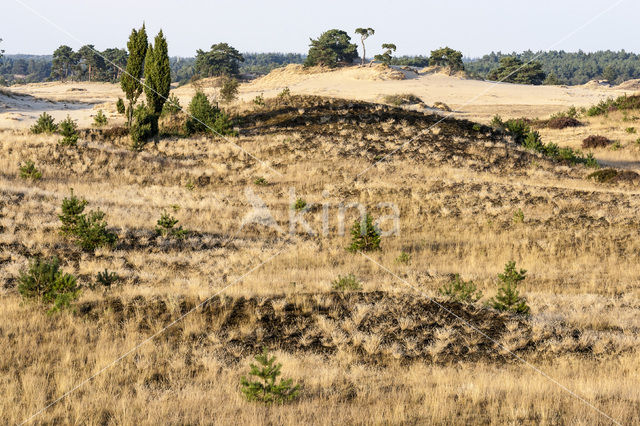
(130, 82)
(157, 74)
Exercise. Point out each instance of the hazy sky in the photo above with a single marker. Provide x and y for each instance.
(416, 27)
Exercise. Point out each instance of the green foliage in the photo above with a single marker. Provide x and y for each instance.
(552, 80)
(259, 100)
(44, 124)
(120, 107)
(69, 132)
(299, 205)
(447, 57)
(365, 236)
(130, 80)
(260, 181)
(229, 89)
(89, 231)
(284, 94)
(264, 388)
(404, 258)
(460, 291)
(100, 119)
(630, 130)
(28, 170)
(518, 216)
(172, 106)
(513, 70)
(206, 118)
(346, 283)
(622, 103)
(64, 62)
(402, 99)
(143, 127)
(157, 75)
(387, 56)
(166, 226)
(331, 49)
(106, 278)
(364, 34)
(508, 297)
(221, 60)
(604, 176)
(45, 282)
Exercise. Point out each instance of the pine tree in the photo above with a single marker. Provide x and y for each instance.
(130, 82)
(157, 74)
(265, 389)
(365, 33)
(365, 236)
(508, 297)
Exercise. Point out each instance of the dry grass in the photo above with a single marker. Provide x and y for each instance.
(456, 187)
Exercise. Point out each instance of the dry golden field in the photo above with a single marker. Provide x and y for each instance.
(169, 342)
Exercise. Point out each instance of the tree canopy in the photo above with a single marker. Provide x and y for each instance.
(513, 70)
(130, 81)
(222, 59)
(386, 56)
(364, 33)
(64, 62)
(157, 74)
(331, 49)
(447, 57)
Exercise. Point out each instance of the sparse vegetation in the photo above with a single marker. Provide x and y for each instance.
(299, 205)
(166, 227)
(346, 283)
(88, 230)
(106, 278)
(459, 290)
(402, 99)
(100, 119)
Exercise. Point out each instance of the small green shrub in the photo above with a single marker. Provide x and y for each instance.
(364, 235)
(166, 226)
(346, 283)
(604, 176)
(459, 290)
(404, 258)
(69, 132)
(44, 124)
(518, 216)
(630, 130)
(100, 119)
(402, 99)
(143, 128)
(89, 231)
(284, 94)
(28, 170)
(120, 107)
(44, 281)
(206, 118)
(260, 181)
(299, 205)
(106, 278)
(264, 388)
(259, 100)
(171, 106)
(508, 297)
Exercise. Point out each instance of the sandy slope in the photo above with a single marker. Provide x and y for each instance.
(478, 100)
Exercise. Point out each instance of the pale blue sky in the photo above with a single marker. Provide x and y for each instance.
(416, 27)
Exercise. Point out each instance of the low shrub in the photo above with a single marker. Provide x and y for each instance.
(166, 227)
(346, 283)
(120, 107)
(614, 176)
(89, 231)
(229, 89)
(143, 128)
(299, 205)
(402, 99)
(260, 181)
(459, 290)
(100, 120)
(562, 123)
(365, 236)
(44, 281)
(404, 258)
(206, 118)
(44, 124)
(171, 106)
(69, 132)
(594, 141)
(621, 103)
(106, 278)
(29, 171)
(264, 388)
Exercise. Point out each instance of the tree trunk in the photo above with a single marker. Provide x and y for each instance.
(364, 53)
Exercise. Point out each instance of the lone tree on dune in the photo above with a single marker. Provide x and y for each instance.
(221, 60)
(130, 82)
(385, 58)
(331, 49)
(157, 74)
(447, 57)
(365, 33)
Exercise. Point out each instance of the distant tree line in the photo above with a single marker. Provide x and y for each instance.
(571, 68)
